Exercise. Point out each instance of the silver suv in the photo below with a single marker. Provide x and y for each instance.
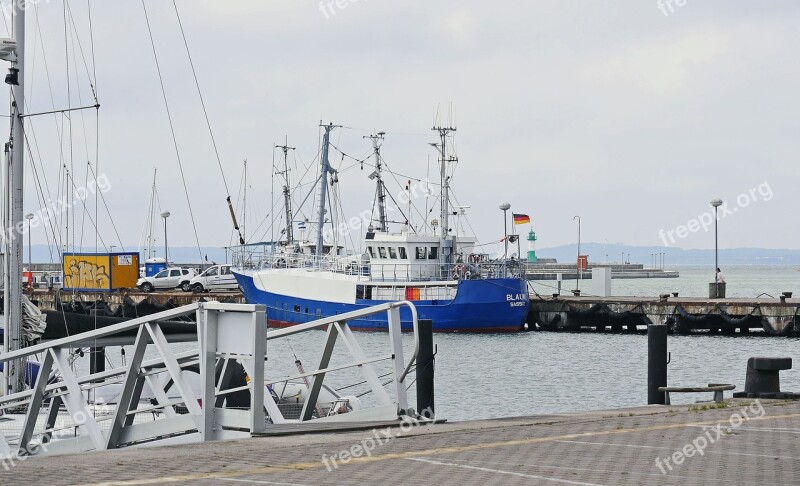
(170, 278)
(218, 277)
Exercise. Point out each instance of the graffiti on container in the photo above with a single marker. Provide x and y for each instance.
(84, 274)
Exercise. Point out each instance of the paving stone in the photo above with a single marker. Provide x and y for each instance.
(701, 446)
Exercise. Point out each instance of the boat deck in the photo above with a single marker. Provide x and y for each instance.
(592, 448)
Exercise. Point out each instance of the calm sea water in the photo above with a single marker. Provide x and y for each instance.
(742, 281)
(487, 376)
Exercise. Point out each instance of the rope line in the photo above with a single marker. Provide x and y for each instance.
(172, 130)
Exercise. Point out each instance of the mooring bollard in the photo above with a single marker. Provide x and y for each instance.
(425, 369)
(97, 355)
(657, 358)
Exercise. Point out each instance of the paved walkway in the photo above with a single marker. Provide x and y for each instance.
(746, 443)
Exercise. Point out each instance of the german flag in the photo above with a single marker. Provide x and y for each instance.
(521, 219)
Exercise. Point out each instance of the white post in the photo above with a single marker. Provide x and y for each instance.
(396, 337)
(207, 324)
(257, 414)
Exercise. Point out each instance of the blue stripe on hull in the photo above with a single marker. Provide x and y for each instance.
(493, 305)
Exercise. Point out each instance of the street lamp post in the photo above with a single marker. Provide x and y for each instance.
(716, 203)
(578, 261)
(165, 215)
(505, 207)
(29, 217)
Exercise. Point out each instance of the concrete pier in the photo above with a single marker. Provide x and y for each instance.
(551, 271)
(47, 298)
(681, 314)
(746, 442)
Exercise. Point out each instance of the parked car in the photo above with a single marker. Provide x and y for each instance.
(170, 278)
(218, 277)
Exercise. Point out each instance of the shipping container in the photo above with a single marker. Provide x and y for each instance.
(100, 271)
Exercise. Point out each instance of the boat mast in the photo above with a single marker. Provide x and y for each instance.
(287, 195)
(244, 201)
(153, 202)
(376, 145)
(12, 372)
(445, 182)
(323, 185)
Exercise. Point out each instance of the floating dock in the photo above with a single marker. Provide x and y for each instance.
(744, 443)
(682, 314)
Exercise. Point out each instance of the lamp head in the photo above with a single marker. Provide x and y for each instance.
(716, 202)
(505, 206)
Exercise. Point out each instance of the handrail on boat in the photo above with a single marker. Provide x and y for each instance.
(253, 257)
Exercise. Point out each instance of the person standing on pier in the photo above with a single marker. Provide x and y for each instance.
(720, 277)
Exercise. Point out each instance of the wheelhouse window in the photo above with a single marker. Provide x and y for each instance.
(382, 251)
(403, 255)
(392, 253)
(433, 253)
(421, 255)
(371, 251)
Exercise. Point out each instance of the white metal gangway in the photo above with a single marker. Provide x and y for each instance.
(227, 333)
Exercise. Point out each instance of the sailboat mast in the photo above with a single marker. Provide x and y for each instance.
(376, 145)
(287, 191)
(152, 215)
(244, 202)
(13, 301)
(323, 188)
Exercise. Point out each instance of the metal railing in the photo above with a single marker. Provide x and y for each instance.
(226, 333)
(264, 257)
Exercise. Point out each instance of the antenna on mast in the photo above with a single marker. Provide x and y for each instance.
(444, 132)
(376, 175)
(287, 196)
(323, 184)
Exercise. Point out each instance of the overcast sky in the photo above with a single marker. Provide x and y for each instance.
(630, 115)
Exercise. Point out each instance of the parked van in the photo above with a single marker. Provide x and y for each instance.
(218, 277)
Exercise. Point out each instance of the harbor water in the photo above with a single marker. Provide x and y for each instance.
(742, 280)
(503, 375)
